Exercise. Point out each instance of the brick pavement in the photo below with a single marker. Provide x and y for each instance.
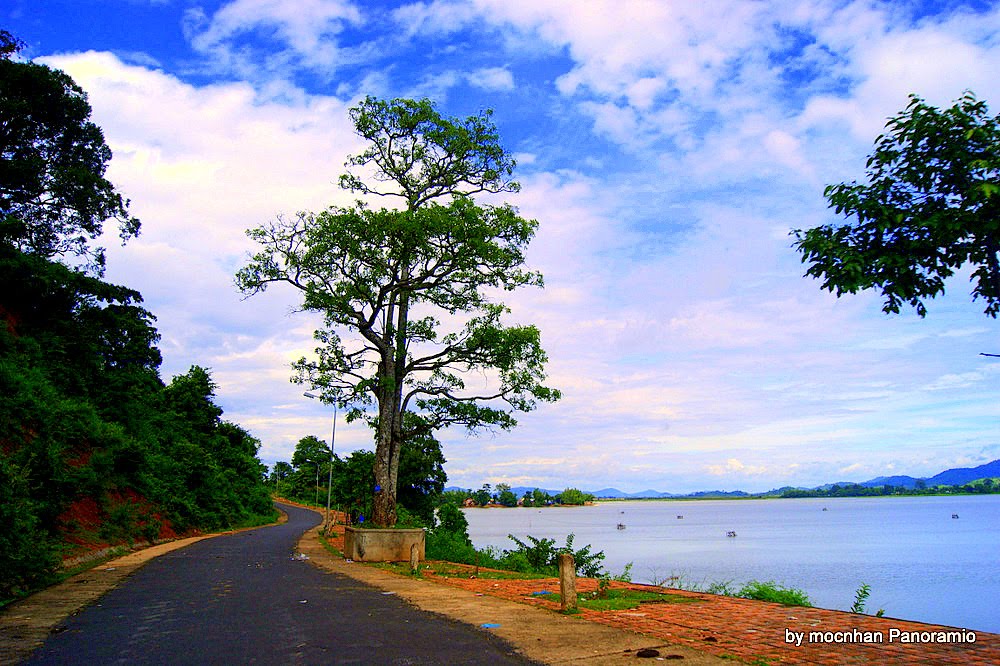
(755, 631)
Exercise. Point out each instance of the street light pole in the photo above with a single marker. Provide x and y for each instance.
(333, 437)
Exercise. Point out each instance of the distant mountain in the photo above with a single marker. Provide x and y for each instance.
(962, 475)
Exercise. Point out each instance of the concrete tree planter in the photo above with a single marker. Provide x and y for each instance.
(382, 545)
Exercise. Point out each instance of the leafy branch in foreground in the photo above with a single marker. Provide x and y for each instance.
(931, 205)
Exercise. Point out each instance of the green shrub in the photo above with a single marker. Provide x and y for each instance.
(29, 554)
(449, 546)
(542, 555)
(860, 597)
(517, 560)
(451, 519)
(406, 518)
(770, 591)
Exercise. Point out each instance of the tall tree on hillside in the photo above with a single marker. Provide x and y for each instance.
(387, 275)
(931, 205)
(54, 198)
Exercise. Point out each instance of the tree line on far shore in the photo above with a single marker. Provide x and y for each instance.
(502, 495)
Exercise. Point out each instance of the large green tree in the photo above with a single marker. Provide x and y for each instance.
(54, 198)
(311, 459)
(931, 205)
(387, 276)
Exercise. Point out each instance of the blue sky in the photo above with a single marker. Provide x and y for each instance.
(666, 148)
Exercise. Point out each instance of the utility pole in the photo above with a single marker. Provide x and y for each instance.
(329, 483)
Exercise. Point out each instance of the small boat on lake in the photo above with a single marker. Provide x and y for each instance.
(621, 526)
(730, 533)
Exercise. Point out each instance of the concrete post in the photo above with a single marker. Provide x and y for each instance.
(414, 558)
(567, 581)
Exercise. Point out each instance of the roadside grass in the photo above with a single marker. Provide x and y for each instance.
(443, 569)
(623, 599)
(754, 589)
(330, 548)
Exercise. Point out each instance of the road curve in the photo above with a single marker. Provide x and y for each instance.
(244, 599)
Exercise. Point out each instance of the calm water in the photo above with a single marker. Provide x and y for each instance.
(921, 563)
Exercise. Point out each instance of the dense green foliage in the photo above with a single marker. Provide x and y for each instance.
(573, 496)
(931, 205)
(537, 556)
(86, 421)
(370, 272)
(94, 448)
(53, 194)
(449, 540)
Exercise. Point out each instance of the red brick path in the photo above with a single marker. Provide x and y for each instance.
(753, 631)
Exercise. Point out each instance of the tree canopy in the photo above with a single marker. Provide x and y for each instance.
(388, 277)
(54, 198)
(931, 205)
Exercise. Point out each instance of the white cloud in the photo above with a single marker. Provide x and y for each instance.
(307, 29)
(433, 18)
(201, 165)
(734, 466)
(689, 348)
(492, 78)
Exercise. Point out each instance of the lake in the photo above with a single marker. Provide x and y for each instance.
(921, 563)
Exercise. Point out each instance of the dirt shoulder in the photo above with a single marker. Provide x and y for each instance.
(541, 635)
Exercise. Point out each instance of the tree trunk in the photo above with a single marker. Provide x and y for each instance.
(390, 422)
(384, 499)
(384, 504)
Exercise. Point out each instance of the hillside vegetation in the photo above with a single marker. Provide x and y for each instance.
(95, 448)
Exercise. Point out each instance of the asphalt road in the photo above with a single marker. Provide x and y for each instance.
(244, 599)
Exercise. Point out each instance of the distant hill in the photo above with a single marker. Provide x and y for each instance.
(905, 481)
(951, 477)
(610, 493)
(649, 494)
